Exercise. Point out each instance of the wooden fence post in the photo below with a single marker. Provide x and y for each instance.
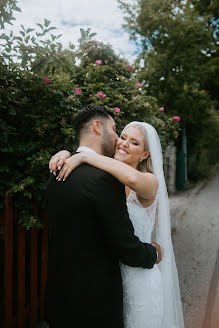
(8, 267)
(21, 269)
(23, 311)
(44, 259)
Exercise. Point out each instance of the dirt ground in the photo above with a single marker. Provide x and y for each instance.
(195, 223)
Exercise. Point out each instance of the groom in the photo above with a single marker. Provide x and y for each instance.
(89, 234)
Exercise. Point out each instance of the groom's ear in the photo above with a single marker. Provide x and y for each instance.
(97, 127)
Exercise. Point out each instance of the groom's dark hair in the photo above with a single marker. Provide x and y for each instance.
(87, 114)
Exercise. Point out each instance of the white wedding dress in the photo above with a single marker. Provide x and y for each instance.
(142, 288)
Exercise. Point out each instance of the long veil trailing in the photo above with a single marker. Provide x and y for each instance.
(173, 315)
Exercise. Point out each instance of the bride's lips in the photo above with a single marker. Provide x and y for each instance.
(122, 151)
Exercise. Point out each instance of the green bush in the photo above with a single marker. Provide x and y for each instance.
(42, 87)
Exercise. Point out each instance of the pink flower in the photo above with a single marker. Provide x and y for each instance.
(162, 109)
(101, 95)
(133, 98)
(139, 85)
(131, 68)
(77, 90)
(91, 95)
(116, 62)
(97, 42)
(99, 62)
(176, 118)
(116, 110)
(46, 80)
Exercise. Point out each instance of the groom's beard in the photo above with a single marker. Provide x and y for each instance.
(108, 144)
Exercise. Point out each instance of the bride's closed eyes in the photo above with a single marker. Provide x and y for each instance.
(136, 143)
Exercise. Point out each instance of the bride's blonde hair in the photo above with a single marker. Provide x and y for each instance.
(146, 164)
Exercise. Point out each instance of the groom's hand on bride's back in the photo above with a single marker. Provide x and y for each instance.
(159, 251)
(58, 160)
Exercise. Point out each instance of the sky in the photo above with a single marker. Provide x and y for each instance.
(104, 17)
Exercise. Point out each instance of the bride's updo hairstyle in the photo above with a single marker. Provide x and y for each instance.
(146, 164)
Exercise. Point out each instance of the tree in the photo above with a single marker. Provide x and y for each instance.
(177, 44)
(211, 80)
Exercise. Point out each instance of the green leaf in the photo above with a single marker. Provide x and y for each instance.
(29, 30)
(52, 28)
(71, 46)
(27, 38)
(17, 9)
(92, 35)
(40, 25)
(83, 34)
(46, 22)
(19, 38)
(12, 111)
(4, 36)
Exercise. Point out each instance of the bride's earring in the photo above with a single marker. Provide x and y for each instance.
(141, 159)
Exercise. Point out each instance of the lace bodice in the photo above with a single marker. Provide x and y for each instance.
(143, 219)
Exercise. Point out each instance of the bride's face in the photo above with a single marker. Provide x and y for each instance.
(130, 147)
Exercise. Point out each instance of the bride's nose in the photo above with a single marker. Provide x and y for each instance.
(125, 143)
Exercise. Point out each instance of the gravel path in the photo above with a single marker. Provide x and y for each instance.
(195, 221)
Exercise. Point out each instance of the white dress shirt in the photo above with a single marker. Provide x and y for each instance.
(84, 148)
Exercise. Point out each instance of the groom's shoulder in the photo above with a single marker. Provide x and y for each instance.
(91, 172)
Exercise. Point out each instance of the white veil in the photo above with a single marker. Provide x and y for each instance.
(173, 315)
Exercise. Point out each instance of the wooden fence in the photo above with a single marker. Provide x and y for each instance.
(23, 270)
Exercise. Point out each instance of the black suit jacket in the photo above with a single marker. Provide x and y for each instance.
(89, 233)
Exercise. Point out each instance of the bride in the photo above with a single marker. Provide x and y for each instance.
(151, 298)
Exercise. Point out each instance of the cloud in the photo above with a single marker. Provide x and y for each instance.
(102, 16)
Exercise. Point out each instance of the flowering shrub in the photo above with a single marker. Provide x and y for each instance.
(40, 97)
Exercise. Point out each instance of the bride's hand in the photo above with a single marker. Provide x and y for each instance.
(70, 164)
(58, 160)
(159, 252)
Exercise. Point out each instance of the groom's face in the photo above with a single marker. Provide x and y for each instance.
(109, 137)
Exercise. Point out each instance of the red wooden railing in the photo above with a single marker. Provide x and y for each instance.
(24, 270)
